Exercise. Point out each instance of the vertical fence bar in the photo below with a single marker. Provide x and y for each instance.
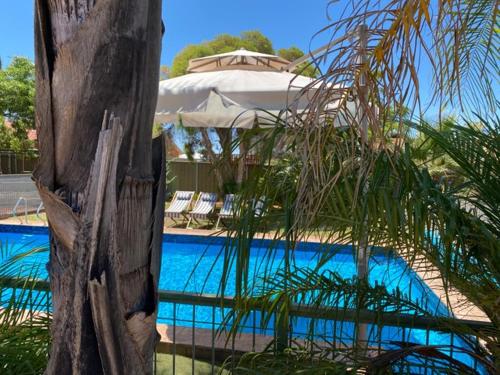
(233, 337)
(475, 359)
(427, 340)
(173, 338)
(380, 327)
(334, 339)
(48, 296)
(452, 342)
(193, 347)
(213, 340)
(254, 328)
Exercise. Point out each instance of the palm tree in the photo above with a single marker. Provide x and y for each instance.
(101, 179)
(352, 184)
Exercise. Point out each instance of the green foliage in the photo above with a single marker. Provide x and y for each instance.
(181, 60)
(157, 130)
(225, 43)
(453, 226)
(250, 40)
(291, 361)
(164, 365)
(427, 151)
(24, 319)
(5, 135)
(294, 53)
(17, 100)
(255, 41)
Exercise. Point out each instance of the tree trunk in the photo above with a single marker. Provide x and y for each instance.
(243, 146)
(226, 164)
(222, 166)
(101, 179)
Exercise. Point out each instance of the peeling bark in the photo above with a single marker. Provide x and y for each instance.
(102, 180)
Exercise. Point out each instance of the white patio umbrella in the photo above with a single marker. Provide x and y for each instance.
(243, 85)
(240, 59)
(227, 97)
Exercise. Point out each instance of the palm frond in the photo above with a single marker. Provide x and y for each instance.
(24, 311)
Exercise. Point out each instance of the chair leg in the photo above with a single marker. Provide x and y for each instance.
(165, 220)
(189, 222)
(217, 224)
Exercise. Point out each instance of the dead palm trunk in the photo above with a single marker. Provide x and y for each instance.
(101, 179)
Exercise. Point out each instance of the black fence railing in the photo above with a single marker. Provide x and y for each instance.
(192, 330)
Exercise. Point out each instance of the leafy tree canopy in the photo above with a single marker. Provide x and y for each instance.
(17, 95)
(294, 53)
(250, 40)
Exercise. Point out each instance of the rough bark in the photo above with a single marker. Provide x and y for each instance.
(101, 178)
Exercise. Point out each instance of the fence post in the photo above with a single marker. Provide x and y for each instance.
(197, 172)
(283, 324)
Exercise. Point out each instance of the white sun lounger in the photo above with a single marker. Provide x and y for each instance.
(204, 206)
(228, 210)
(179, 205)
(258, 206)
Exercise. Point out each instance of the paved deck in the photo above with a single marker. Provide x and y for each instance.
(184, 337)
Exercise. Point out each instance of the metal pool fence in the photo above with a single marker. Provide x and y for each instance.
(18, 196)
(197, 339)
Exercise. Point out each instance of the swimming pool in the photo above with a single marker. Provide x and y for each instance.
(194, 264)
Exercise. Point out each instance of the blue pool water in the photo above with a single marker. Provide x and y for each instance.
(194, 264)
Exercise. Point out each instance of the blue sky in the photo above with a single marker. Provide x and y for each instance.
(190, 21)
(285, 22)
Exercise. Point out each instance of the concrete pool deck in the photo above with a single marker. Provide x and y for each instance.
(461, 307)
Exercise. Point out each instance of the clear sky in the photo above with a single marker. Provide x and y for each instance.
(285, 22)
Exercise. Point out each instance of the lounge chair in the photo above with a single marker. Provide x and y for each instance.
(203, 208)
(179, 205)
(228, 209)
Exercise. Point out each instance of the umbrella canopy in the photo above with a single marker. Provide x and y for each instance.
(240, 59)
(226, 98)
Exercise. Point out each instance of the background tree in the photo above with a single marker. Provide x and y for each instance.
(294, 53)
(102, 180)
(17, 104)
(428, 153)
(250, 40)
